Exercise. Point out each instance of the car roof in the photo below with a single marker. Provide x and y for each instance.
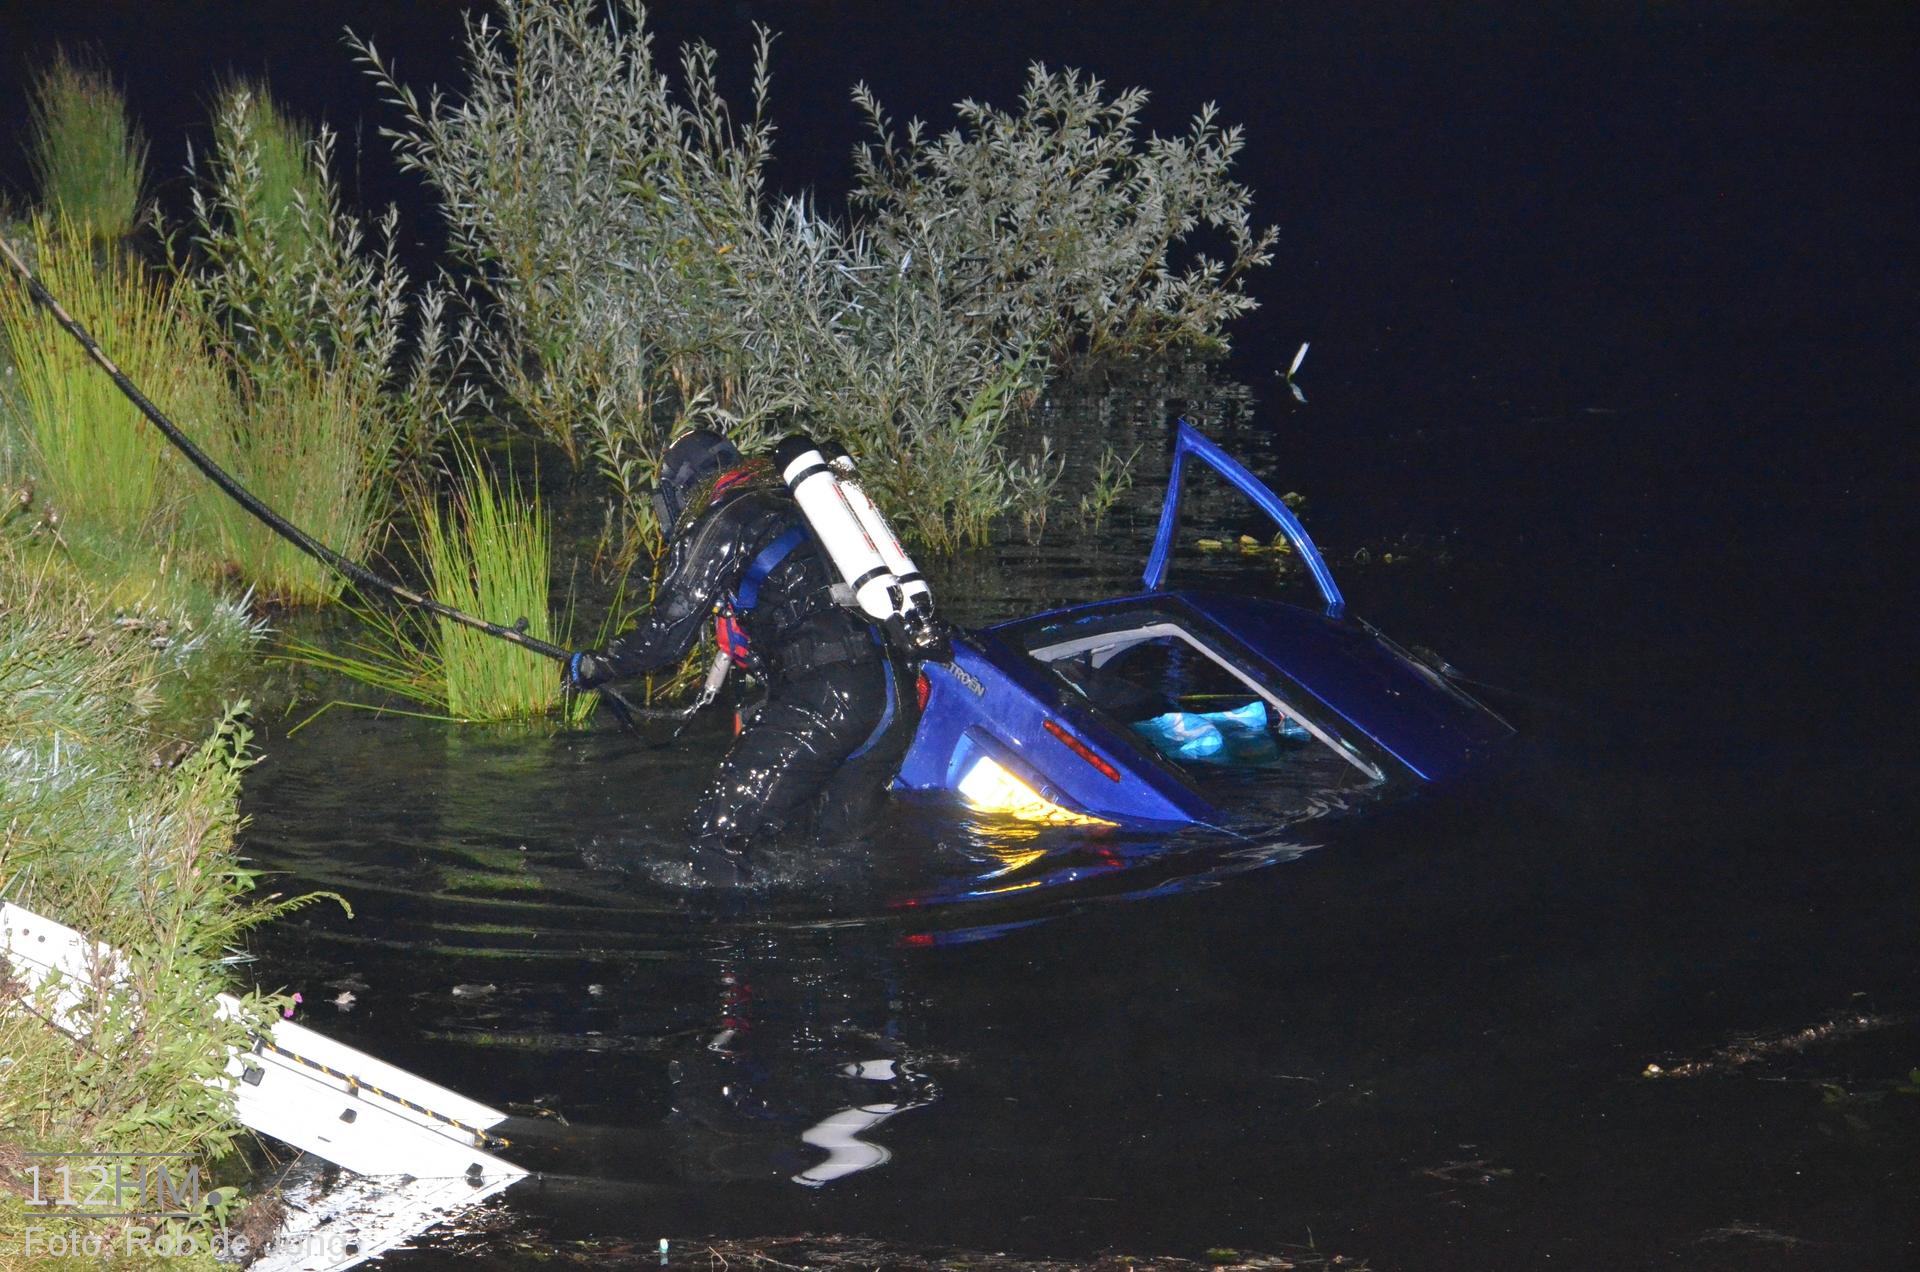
(1398, 704)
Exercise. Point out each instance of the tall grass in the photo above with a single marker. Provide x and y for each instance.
(310, 448)
(487, 550)
(87, 156)
(489, 553)
(100, 466)
(309, 315)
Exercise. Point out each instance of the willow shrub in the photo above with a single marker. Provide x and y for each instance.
(1061, 222)
(88, 158)
(267, 178)
(593, 206)
(632, 272)
(288, 276)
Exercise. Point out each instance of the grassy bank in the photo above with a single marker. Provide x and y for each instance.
(126, 643)
(119, 785)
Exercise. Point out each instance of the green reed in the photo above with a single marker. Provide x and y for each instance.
(98, 464)
(485, 551)
(489, 553)
(87, 156)
(311, 448)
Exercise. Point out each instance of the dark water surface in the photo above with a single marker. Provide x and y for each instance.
(1614, 330)
(1419, 1042)
(1413, 1033)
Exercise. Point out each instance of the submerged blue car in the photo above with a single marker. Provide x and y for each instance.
(1167, 708)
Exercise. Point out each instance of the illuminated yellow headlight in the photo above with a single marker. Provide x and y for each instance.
(989, 788)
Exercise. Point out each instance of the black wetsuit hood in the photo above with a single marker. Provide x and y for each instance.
(694, 459)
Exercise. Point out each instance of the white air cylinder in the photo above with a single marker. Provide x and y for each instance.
(917, 596)
(816, 488)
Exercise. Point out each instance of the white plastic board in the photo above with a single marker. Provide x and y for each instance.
(414, 1145)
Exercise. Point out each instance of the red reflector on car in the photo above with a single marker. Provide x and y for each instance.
(1084, 751)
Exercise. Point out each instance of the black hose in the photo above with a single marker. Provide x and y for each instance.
(348, 568)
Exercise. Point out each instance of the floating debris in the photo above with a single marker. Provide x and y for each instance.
(473, 991)
(839, 1251)
(1747, 1050)
(1298, 358)
(1479, 1172)
(1248, 545)
(1748, 1232)
(170, 755)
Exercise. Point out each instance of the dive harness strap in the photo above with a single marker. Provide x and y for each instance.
(886, 717)
(812, 656)
(828, 653)
(731, 638)
(748, 593)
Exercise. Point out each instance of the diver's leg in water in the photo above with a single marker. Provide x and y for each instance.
(858, 789)
(782, 762)
(771, 770)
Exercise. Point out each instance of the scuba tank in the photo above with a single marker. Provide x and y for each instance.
(916, 594)
(882, 582)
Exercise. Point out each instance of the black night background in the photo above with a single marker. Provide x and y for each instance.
(1613, 324)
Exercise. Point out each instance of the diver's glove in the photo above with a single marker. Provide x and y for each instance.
(586, 670)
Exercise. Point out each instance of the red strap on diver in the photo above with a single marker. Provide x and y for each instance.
(731, 637)
(728, 480)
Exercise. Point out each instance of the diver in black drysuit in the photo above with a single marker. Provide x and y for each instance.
(839, 709)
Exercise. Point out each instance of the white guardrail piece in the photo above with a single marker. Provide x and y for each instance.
(419, 1148)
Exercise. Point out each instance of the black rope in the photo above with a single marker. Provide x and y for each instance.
(359, 574)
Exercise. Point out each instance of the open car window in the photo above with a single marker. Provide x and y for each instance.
(1180, 695)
